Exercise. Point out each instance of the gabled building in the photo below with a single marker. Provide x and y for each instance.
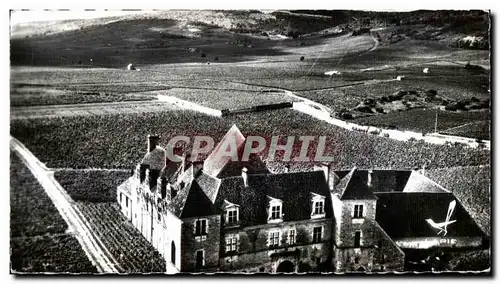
(225, 215)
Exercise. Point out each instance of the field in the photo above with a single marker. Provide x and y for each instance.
(91, 141)
(470, 261)
(130, 249)
(423, 120)
(479, 129)
(91, 185)
(32, 212)
(35, 96)
(472, 186)
(38, 238)
(49, 254)
(222, 99)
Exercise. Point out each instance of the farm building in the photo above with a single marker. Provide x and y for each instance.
(224, 215)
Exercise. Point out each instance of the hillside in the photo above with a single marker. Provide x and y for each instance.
(177, 36)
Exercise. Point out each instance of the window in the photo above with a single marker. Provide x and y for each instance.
(159, 216)
(232, 216)
(126, 202)
(317, 234)
(200, 258)
(121, 197)
(358, 211)
(232, 243)
(172, 252)
(356, 260)
(276, 212)
(200, 227)
(291, 237)
(357, 239)
(319, 208)
(262, 269)
(274, 239)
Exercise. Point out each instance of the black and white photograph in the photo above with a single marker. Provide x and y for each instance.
(250, 142)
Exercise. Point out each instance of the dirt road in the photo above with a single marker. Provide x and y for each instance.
(91, 245)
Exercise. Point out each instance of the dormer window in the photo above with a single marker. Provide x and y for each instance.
(232, 213)
(275, 212)
(318, 206)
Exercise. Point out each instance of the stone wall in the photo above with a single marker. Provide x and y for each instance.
(210, 243)
(346, 225)
(254, 252)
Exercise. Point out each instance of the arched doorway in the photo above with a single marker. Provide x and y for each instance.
(286, 266)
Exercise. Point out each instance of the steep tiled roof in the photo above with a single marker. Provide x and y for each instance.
(292, 188)
(197, 203)
(209, 185)
(126, 186)
(421, 183)
(357, 186)
(191, 201)
(342, 185)
(404, 215)
(214, 164)
(178, 202)
(220, 166)
(155, 158)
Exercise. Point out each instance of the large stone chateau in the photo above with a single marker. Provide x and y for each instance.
(219, 215)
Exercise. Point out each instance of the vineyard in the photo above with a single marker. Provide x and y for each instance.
(49, 253)
(220, 99)
(130, 249)
(423, 120)
(119, 141)
(472, 186)
(38, 238)
(470, 261)
(31, 210)
(36, 96)
(93, 186)
(478, 130)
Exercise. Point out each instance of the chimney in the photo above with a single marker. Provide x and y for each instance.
(153, 141)
(163, 188)
(244, 174)
(326, 171)
(287, 168)
(184, 162)
(142, 172)
(423, 170)
(369, 182)
(153, 178)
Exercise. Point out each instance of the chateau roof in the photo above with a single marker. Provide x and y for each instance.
(155, 158)
(191, 201)
(225, 166)
(404, 215)
(356, 186)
